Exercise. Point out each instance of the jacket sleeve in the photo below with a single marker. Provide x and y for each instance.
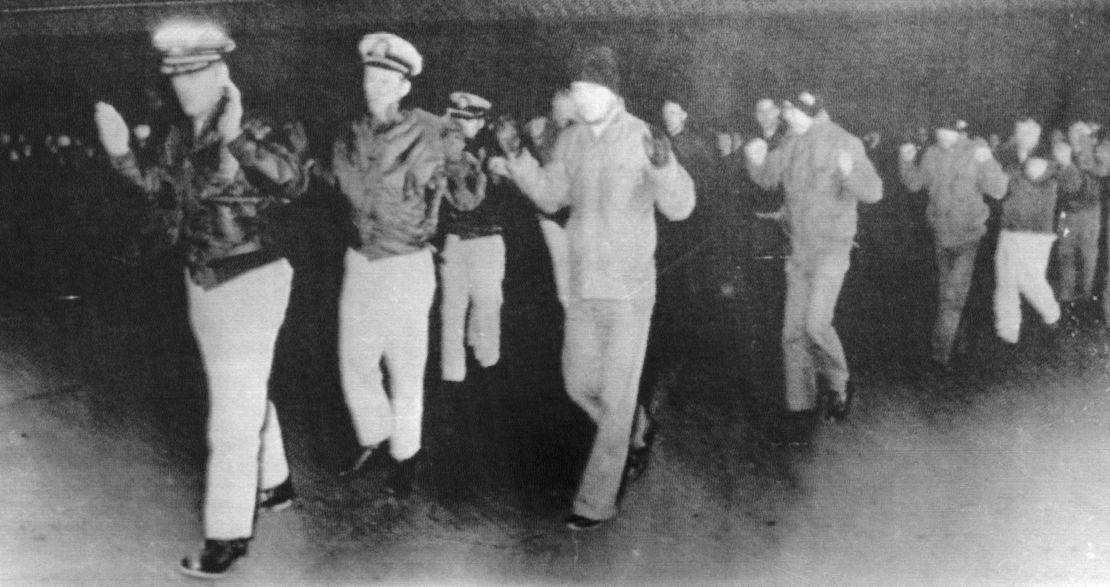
(345, 172)
(273, 162)
(1100, 163)
(148, 180)
(672, 190)
(993, 181)
(863, 183)
(549, 186)
(1071, 180)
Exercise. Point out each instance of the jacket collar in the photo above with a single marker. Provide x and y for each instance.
(611, 123)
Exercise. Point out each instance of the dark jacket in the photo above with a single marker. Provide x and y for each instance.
(392, 174)
(223, 224)
(473, 207)
(1030, 206)
(1093, 168)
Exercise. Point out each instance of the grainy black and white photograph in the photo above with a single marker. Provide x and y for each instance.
(554, 292)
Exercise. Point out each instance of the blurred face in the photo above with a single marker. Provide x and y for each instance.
(767, 113)
(141, 132)
(674, 118)
(563, 110)
(1027, 134)
(1079, 135)
(799, 121)
(592, 102)
(1035, 168)
(724, 143)
(946, 137)
(471, 126)
(383, 87)
(508, 138)
(199, 92)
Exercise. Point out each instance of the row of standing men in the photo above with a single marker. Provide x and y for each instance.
(403, 170)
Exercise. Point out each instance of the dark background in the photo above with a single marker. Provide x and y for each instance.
(882, 65)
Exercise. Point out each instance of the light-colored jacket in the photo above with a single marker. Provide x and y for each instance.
(612, 190)
(956, 182)
(820, 200)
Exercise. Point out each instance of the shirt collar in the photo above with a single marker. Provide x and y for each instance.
(609, 125)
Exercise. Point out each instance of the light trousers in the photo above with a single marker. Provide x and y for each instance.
(810, 344)
(603, 355)
(1021, 264)
(556, 238)
(383, 320)
(471, 273)
(236, 326)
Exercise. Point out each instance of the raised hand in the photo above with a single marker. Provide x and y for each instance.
(907, 152)
(298, 137)
(756, 151)
(498, 166)
(658, 147)
(1062, 153)
(113, 130)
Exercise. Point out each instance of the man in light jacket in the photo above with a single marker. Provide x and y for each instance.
(613, 172)
(956, 172)
(824, 173)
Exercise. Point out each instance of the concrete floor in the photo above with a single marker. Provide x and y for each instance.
(996, 474)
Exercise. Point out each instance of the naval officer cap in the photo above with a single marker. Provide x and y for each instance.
(466, 106)
(388, 51)
(188, 46)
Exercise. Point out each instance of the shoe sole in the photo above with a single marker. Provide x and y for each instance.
(579, 528)
(278, 507)
(199, 574)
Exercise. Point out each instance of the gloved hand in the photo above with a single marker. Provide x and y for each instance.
(658, 147)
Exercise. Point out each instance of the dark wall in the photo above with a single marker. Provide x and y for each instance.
(879, 70)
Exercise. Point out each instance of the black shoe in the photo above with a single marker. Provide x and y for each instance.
(402, 478)
(277, 498)
(576, 522)
(366, 458)
(839, 406)
(215, 559)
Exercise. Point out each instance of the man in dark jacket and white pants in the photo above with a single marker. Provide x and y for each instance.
(389, 165)
(223, 180)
